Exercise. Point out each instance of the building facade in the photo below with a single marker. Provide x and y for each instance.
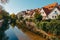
(50, 11)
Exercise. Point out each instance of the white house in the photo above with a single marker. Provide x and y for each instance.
(51, 11)
(54, 13)
(43, 13)
(21, 14)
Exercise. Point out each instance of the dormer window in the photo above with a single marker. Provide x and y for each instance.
(55, 11)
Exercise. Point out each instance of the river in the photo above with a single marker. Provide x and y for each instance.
(18, 34)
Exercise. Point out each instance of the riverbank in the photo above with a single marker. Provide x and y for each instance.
(30, 26)
(33, 36)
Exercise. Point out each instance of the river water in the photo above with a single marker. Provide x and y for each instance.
(18, 34)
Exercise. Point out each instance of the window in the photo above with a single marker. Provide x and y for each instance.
(55, 12)
(55, 16)
(52, 16)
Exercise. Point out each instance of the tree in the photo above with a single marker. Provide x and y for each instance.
(5, 16)
(38, 16)
(38, 26)
(21, 18)
(59, 17)
(13, 15)
(13, 19)
(43, 26)
(1, 16)
(54, 27)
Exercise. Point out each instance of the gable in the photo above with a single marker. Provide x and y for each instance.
(42, 12)
(55, 11)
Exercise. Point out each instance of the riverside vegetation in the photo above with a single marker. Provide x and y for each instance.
(49, 29)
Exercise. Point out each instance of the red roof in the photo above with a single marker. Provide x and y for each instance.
(47, 11)
(49, 8)
(51, 5)
(37, 10)
(59, 7)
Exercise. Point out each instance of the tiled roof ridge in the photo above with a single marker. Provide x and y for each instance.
(53, 4)
(49, 7)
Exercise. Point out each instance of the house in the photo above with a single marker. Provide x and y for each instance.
(44, 15)
(54, 13)
(29, 14)
(48, 11)
(21, 14)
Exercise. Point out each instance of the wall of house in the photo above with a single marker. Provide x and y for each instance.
(43, 14)
(54, 14)
(20, 14)
(26, 16)
(33, 14)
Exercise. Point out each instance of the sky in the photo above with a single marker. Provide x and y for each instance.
(15, 6)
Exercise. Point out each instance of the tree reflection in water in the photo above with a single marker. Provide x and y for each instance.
(3, 28)
(3, 36)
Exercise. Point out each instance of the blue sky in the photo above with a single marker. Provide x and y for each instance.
(15, 6)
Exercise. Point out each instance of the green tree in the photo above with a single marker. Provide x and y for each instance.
(59, 17)
(21, 18)
(13, 19)
(5, 17)
(38, 16)
(54, 27)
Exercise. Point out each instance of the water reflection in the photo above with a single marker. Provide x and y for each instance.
(3, 28)
(30, 35)
(20, 34)
(3, 36)
(6, 32)
(11, 34)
